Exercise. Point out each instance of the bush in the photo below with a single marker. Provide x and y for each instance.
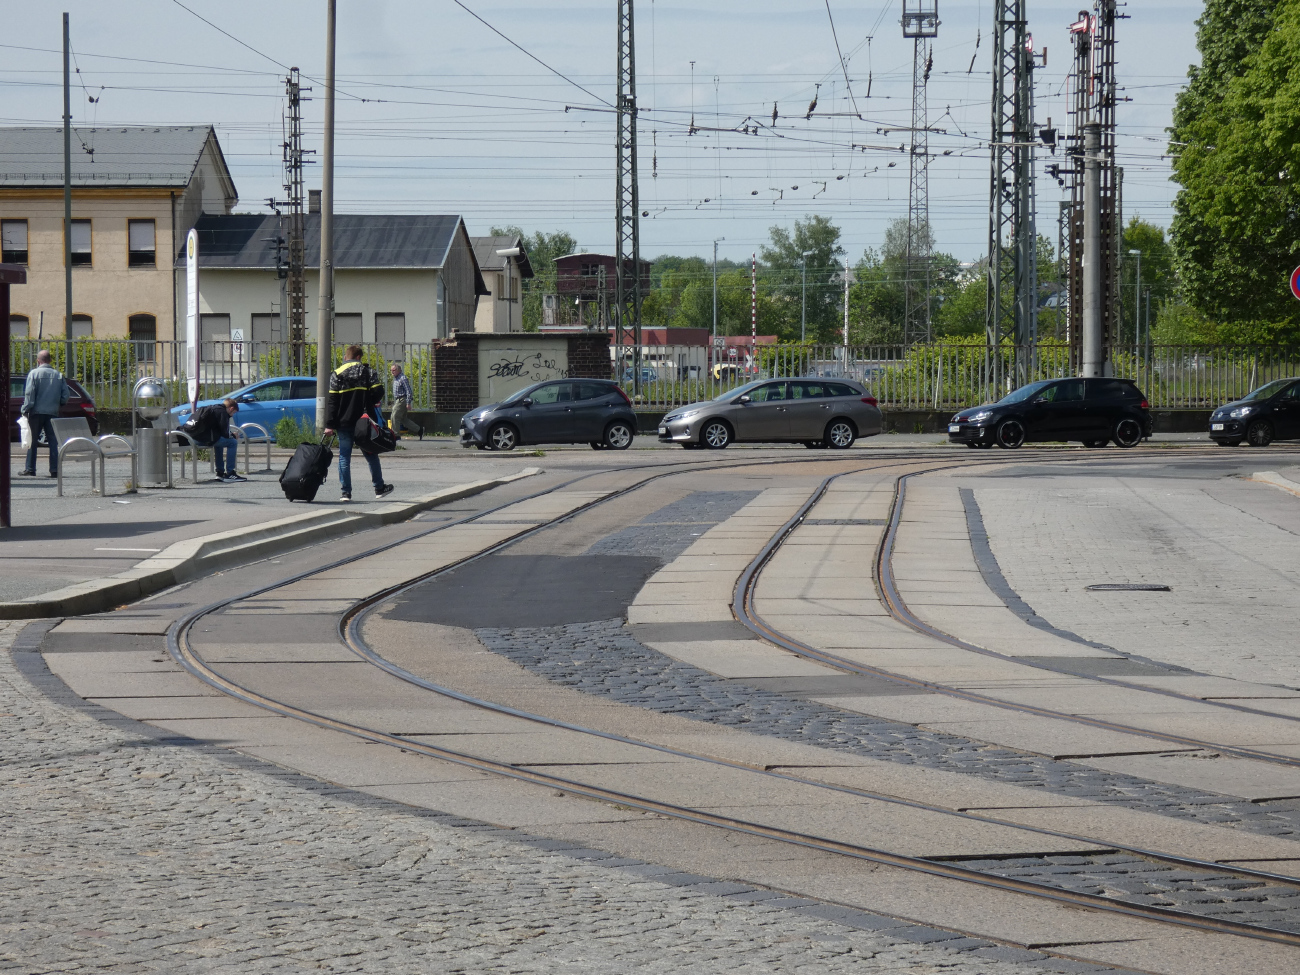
(289, 433)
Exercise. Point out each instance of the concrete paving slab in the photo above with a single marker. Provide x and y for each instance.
(121, 662)
(115, 624)
(817, 606)
(1256, 781)
(684, 613)
(1050, 737)
(742, 658)
(242, 732)
(536, 745)
(102, 684)
(166, 708)
(301, 653)
(503, 803)
(357, 764)
(1111, 824)
(1224, 728)
(1087, 698)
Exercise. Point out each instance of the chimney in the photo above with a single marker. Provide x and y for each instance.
(313, 201)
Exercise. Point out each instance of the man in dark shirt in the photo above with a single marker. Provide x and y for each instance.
(210, 427)
(355, 391)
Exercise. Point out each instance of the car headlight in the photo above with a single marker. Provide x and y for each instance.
(981, 415)
(1241, 411)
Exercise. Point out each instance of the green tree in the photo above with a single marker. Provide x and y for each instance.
(1236, 228)
(782, 279)
(543, 249)
(1157, 274)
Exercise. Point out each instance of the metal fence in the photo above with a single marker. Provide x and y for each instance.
(109, 368)
(917, 377)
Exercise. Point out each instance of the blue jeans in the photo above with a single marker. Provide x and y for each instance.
(39, 422)
(231, 447)
(345, 464)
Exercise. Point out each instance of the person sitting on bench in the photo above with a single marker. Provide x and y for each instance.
(210, 427)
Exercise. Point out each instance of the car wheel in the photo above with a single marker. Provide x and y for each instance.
(840, 434)
(618, 435)
(1128, 432)
(1259, 433)
(716, 435)
(1095, 444)
(1010, 434)
(1228, 443)
(503, 437)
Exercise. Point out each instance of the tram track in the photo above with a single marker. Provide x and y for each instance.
(350, 630)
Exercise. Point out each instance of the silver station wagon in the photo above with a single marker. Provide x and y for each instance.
(814, 412)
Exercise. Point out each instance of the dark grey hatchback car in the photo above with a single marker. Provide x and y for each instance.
(594, 411)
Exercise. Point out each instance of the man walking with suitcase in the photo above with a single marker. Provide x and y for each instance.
(355, 391)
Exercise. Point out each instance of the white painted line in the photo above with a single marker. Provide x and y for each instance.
(128, 550)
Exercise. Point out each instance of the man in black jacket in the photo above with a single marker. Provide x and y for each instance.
(210, 427)
(355, 391)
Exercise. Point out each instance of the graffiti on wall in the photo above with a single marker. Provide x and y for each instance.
(511, 366)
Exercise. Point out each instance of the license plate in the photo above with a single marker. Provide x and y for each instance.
(1216, 426)
(954, 428)
(462, 431)
(663, 430)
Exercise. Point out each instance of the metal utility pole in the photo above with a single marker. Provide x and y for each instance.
(627, 295)
(325, 316)
(921, 23)
(1094, 192)
(753, 311)
(803, 305)
(1137, 298)
(848, 279)
(715, 287)
(295, 292)
(67, 195)
(1011, 313)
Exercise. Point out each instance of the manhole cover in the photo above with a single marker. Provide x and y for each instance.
(1129, 587)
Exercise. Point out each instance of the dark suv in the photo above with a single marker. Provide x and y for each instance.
(1270, 413)
(79, 404)
(594, 411)
(1092, 411)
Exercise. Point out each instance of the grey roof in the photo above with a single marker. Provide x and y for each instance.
(247, 240)
(163, 155)
(485, 249)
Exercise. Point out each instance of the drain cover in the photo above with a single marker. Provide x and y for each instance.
(1129, 587)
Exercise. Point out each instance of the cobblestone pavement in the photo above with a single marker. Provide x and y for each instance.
(604, 659)
(121, 852)
(1160, 885)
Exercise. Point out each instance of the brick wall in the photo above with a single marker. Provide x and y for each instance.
(455, 374)
(589, 355)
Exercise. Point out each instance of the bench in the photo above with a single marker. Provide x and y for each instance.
(77, 443)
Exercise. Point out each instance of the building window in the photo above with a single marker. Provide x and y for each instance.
(390, 332)
(213, 329)
(266, 329)
(81, 243)
(143, 330)
(20, 327)
(14, 236)
(83, 326)
(140, 244)
(347, 328)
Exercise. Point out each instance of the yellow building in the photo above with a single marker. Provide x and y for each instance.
(136, 192)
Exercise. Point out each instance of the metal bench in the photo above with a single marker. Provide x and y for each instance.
(251, 433)
(77, 443)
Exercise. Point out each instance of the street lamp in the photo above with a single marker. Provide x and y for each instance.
(1137, 299)
(715, 286)
(803, 311)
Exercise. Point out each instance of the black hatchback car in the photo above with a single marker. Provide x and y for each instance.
(1270, 413)
(594, 411)
(1092, 411)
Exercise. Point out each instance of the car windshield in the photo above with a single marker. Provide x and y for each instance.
(516, 397)
(1268, 391)
(1024, 393)
(731, 394)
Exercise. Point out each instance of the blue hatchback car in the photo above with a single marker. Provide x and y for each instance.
(265, 402)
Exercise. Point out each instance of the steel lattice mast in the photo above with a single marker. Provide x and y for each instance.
(296, 284)
(921, 23)
(1011, 312)
(627, 258)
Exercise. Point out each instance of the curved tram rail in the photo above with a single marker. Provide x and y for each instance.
(351, 621)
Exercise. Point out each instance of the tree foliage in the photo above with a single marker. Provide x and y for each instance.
(782, 279)
(1236, 143)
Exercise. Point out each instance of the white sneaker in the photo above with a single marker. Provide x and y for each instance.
(345, 498)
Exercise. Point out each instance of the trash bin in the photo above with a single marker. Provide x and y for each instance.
(151, 457)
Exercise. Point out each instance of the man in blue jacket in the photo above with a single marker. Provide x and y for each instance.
(44, 393)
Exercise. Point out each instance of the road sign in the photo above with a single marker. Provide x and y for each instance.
(1295, 282)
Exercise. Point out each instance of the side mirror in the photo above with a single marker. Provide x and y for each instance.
(526, 401)
(1040, 399)
(248, 398)
(742, 398)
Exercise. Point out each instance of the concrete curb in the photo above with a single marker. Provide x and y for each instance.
(195, 557)
(1274, 479)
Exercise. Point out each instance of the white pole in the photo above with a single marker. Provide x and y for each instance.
(325, 314)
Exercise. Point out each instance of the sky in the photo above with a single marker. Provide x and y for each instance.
(437, 113)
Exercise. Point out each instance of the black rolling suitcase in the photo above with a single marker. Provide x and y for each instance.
(306, 471)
